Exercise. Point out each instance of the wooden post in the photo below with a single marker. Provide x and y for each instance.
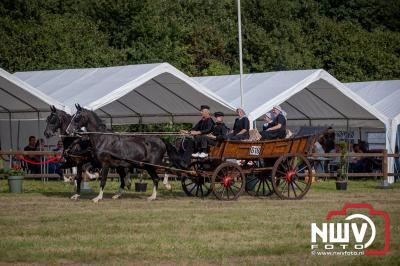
(385, 165)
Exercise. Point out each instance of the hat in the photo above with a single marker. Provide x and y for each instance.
(217, 114)
(269, 115)
(278, 107)
(204, 107)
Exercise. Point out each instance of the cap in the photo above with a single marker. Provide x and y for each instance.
(217, 114)
(204, 107)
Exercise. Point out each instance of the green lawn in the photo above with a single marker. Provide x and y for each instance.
(43, 226)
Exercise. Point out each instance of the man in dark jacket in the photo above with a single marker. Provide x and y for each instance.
(200, 131)
(220, 130)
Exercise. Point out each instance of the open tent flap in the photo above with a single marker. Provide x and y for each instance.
(17, 138)
(23, 109)
(18, 97)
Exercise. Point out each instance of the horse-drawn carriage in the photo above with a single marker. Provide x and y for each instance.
(266, 167)
(259, 167)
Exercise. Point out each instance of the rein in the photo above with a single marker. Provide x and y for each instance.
(129, 133)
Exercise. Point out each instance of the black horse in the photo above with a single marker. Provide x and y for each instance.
(76, 150)
(118, 150)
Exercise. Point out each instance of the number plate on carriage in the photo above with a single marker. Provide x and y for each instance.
(255, 150)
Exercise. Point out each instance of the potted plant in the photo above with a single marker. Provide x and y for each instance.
(342, 167)
(15, 179)
(141, 186)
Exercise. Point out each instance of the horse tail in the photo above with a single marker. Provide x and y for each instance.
(174, 157)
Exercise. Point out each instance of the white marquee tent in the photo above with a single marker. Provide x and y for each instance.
(22, 110)
(383, 95)
(150, 93)
(310, 97)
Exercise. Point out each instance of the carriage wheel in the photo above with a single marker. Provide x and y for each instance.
(290, 176)
(196, 186)
(228, 181)
(259, 185)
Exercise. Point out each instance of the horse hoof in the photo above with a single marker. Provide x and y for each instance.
(117, 196)
(96, 200)
(151, 198)
(75, 197)
(168, 186)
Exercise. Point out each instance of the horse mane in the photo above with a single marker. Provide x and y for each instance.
(100, 124)
(64, 117)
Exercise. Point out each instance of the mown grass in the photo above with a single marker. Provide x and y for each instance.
(42, 226)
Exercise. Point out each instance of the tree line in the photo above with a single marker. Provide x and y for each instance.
(354, 40)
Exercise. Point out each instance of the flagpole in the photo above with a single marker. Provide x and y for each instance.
(240, 54)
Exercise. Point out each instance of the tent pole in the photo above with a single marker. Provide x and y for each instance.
(10, 123)
(240, 53)
(18, 133)
(38, 124)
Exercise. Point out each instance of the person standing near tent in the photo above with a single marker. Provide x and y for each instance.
(278, 128)
(241, 127)
(33, 168)
(200, 131)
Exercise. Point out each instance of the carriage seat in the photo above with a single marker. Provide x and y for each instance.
(256, 136)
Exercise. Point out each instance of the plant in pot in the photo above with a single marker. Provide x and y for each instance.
(342, 167)
(15, 178)
(141, 186)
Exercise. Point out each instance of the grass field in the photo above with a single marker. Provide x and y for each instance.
(42, 226)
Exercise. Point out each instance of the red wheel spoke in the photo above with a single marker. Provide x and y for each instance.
(193, 187)
(295, 194)
(298, 186)
(263, 186)
(188, 184)
(282, 173)
(259, 185)
(233, 192)
(284, 186)
(269, 188)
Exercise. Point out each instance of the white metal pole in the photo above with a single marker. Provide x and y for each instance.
(240, 54)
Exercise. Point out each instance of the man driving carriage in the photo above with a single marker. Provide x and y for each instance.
(207, 132)
(200, 131)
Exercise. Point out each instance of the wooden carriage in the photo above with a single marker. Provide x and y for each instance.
(262, 168)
